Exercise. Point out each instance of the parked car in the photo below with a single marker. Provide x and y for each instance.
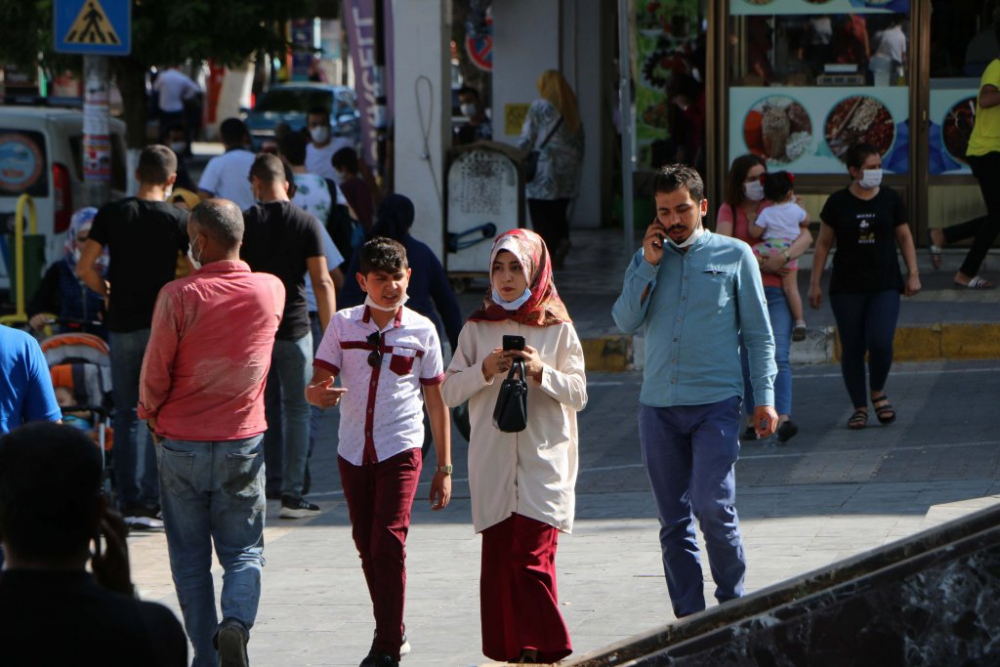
(290, 103)
(41, 153)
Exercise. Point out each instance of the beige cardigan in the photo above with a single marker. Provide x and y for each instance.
(532, 473)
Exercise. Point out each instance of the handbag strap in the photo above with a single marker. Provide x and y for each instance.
(517, 366)
(551, 132)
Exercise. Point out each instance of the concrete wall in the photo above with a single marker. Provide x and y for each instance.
(422, 89)
(530, 36)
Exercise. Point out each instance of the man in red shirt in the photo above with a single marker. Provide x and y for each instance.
(202, 394)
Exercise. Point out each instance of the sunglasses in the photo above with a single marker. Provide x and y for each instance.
(375, 356)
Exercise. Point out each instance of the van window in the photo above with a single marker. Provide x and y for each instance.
(118, 180)
(24, 166)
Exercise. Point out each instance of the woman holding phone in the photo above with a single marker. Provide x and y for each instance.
(522, 483)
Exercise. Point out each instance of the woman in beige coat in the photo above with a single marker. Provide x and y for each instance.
(522, 483)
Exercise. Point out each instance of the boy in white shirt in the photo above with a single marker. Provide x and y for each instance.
(779, 225)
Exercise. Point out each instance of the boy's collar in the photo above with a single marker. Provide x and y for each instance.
(366, 316)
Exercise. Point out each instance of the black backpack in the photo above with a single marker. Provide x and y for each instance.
(345, 231)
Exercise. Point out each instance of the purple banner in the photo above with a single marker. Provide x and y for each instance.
(359, 20)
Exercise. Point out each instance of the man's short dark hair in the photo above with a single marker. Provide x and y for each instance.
(157, 163)
(221, 220)
(318, 111)
(673, 176)
(470, 91)
(50, 480)
(233, 132)
(347, 159)
(858, 153)
(176, 127)
(382, 254)
(268, 168)
(293, 147)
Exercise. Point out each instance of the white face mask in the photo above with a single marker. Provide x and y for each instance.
(698, 231)
(320, 134)
(468, 110)
(753, 190)
(511, 305)
(195, 261)
(76, 255)
(871, 179)
(370, 302)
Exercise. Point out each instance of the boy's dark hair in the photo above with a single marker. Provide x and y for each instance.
(777, 185)
(268, 168)
(157, 163)
(347, 159)
(382, 254)
(293, 147)
(858, 153)
(50, 481)
(233, 132)
(673, 176)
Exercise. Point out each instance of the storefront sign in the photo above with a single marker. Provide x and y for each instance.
(808, 130)
(776, 7)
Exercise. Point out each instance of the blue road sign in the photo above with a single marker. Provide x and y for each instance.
(93, 27)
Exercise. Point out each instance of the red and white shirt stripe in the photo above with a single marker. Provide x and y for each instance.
(382, 413)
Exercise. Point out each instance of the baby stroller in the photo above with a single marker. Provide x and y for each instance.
(80, 367)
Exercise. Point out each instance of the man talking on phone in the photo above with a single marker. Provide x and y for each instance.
(202, 394)
(693, 293)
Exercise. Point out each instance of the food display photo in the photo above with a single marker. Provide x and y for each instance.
(956, 128)
(778, 129)
(856, 119)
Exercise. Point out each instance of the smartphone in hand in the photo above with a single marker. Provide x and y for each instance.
(512, 342)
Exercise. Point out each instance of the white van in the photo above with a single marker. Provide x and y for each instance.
(41, 153)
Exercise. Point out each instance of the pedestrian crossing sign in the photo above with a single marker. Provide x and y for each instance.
(93, 27)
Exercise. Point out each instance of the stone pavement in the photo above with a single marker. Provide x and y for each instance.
(826, 495)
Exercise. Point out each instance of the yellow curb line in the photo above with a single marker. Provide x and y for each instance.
(615, 354)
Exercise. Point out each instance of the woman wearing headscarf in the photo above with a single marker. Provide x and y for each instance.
(555, 116)
(62, 294)
(522, 483)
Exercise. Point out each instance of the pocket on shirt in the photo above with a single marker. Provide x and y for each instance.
(401, 361)
(716, 285)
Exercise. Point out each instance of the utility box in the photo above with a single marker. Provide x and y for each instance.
(484, 197)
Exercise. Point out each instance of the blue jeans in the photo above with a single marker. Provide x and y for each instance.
(213, 491)
(866, 322)
(781, 324)
(135, 458)
(689, 453)
(291, 366)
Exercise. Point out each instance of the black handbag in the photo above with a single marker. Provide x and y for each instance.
(511, 412)
(531, 159)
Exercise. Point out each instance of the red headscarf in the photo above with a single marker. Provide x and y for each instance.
(544, 308)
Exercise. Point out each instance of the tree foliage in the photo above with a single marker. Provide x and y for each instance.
(163, 32)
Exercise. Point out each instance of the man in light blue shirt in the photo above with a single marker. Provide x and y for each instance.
(693, 293)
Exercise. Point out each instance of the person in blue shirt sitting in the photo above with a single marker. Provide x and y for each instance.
(692, 293)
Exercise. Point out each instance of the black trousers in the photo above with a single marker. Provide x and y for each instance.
(548, 217)
(984, 230)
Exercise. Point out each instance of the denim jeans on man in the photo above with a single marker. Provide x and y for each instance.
(689, 452)
(291, 362)
(135, 458)
(214, 492)
(781, 325)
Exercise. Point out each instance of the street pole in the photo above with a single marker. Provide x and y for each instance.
(381, 96)
(625, 106)
(96, 131)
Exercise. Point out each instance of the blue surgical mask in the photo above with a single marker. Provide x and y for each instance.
(511, 305)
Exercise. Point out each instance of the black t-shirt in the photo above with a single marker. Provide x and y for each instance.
(866, 259)
(94, 625)
(142, 238)
(279, 238)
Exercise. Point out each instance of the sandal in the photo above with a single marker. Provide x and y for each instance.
(858, 420)
(884, 411)
(975, 283)
(937, 259)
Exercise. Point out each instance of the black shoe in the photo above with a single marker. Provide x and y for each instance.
(293, 507)
(787, 431)
(380, 660)
(140, 517)
(272, 495)
(231, 640)
(749, 434)
(404, 648)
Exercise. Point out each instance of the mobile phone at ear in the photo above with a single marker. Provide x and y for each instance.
(511, 342)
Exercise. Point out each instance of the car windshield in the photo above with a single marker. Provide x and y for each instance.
(295, 99)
